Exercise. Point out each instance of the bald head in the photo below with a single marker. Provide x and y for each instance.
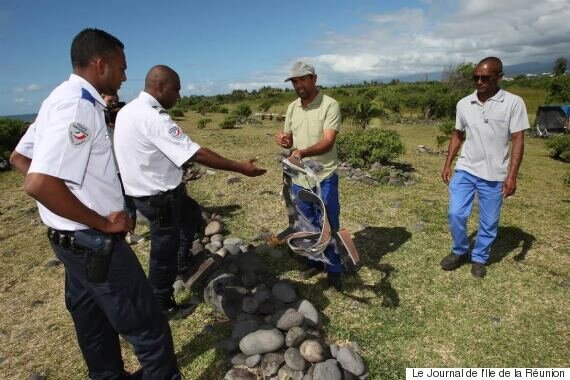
(493, 63)
(163, 84)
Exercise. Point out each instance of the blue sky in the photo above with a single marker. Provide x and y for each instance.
(219, 46)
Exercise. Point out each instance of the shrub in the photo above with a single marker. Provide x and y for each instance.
(229, 122)
(202, 123)
(559, 147)
(10, 133)
(267, 104)
(363, 148)
(176, 112)
(242, 110)
(446, 129)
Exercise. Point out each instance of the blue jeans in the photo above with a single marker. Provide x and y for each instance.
(329, 195)
(462, 189)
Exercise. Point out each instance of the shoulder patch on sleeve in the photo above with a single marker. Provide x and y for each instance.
(175, 132)
(87, 96)
(78, 134)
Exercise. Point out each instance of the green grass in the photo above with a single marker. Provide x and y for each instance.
(516, 317)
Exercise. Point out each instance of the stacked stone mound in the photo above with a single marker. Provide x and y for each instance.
(275, 333)
(377, 174)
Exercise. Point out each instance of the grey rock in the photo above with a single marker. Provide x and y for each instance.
(262, 341)
(313, 351)
(348, 375)
(284, 292)
(295, 336)
(228, 345)
(294, 359)
(286, 319)
(309, 311)
(233, 241)
(253, 360)
(267, 308)
(243, 328)
(287, 373)
(327, 370)
(250, 305)
(232, 180)
(270, 363)
(217, 237)
(53, 262)
(214, 227)
(261, 293)
(238, 359)
(239, 374)
(197, 247)
(225, 293)
(178, 286)
(244, 248)
(350, 361)
(334, 349)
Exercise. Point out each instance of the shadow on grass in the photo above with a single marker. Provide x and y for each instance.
(373, 243)
(509, 240)
(202, 342)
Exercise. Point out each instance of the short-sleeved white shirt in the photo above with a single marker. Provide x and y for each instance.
(26, 144)
(70, 142)
(488, 127)
(150, 147)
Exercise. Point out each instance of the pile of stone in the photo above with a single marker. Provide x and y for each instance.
(276, 334)
(377, 174)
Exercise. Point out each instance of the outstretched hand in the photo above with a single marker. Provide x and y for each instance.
(250, 170)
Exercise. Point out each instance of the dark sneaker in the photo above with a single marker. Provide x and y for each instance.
(478, 270)
(308, 273)
(174, 311)
(335, 280)
(453, 261)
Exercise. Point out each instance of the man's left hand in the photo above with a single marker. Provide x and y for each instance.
(250, 170)
(509, 186)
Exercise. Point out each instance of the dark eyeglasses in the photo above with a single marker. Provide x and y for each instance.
(483, 78)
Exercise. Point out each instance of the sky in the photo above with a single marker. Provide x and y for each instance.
(219, 46)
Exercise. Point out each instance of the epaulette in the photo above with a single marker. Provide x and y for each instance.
(87, 96)
(159, 109)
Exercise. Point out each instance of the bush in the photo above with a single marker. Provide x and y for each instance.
(363, 148)
(10, 133)
(446, 129)
(175, 112)
(559, 147)
(229, 122)
(202, 123)
(242, 110)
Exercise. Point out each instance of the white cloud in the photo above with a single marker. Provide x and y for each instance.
(20, 100)
(28, 88)
(413, 41)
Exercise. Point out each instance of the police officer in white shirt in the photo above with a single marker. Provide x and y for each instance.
(151, 150)
(70, 172)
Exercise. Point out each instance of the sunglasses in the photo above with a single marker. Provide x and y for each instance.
(483, 78)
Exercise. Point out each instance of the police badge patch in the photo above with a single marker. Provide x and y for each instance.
(78, 134)
(175, 132)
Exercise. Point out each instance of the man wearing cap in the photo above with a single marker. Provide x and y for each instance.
(311, 125)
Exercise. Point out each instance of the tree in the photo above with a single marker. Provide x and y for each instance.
(459, 77)
(242, 110)
(559, 90)
(559, 66)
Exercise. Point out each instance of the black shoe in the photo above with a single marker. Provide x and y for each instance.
(174, 311)
(335, 280)
(308, 273)
(478, 270)
(453, 261)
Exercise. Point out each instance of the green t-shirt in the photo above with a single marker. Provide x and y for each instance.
(307, 126)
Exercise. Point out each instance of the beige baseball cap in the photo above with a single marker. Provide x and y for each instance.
(300, 69)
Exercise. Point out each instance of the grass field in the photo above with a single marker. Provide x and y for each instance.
(401, 308)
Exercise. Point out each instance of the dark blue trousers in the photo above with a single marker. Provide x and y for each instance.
(165, 242)
(122, 305)
(329, 195)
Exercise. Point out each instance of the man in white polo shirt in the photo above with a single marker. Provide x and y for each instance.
(67, 157)
(151, 149)
(485, 122)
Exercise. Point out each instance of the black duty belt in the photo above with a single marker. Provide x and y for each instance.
(66, 239)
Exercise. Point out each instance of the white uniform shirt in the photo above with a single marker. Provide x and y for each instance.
(26, 144)
(488, 127)
(71, 143)
(150, 148)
